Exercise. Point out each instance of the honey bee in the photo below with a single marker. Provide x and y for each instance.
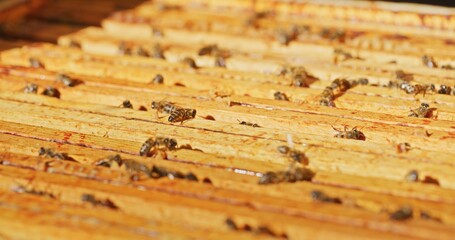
(351, 134)
(67, 80)
(158, 79)
(412, 176)
(35, 63)
(327, 97)
(135, 168)
(157, 51)
(403, 147)
(280, 96)
(139, 51)
(429, 61)
(341, 84)
(127, 104)
(291, 175)
(164, 107)
(107, 162)
(423, 89)
(320, 196)
(295, 155)
(189, 62)
(23, 189)
(362, 81)
(123, 49)
(208, 50)
(402, 214)
(31, 88)
(332, 34)
(248, 123)
(47, 152)
(443, 89)
(167, 143)
(146, 147)
(181, 115)
(400, 75)
(51, 92)
(220, 62)
(421, 112)
(90, 198)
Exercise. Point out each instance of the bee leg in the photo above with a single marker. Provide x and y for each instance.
(335, 128)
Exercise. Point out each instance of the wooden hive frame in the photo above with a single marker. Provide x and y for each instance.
(368, 178)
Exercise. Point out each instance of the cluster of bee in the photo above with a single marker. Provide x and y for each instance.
(424, 111)
(349, 134)
(259, 230)
(320, 196)
(23, 189)
(403, 82)
(338, 86)
(214, 51)
(136, 169)
(47, 152)
(298, 75)
(90, 198)
(156, 51)
(159, 144)
(176, 114)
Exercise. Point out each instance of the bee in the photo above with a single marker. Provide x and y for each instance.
(421, 112)
(400, 75)
(139, 51)
(74, 44)
(35, 63)
(158, 79)
(362, 81)
(341, 84)
(135, 167)
(427, 216)
(295, 175)
(401, 214)
(295, 155)
(423, 89)
(127, 104)
(280, 96)
(191, 177)
(320, 196)
(90, 198)
(412, 176)
(327, 102)
(351, 134)
(146, 147)
(443, 89)
(51, 92)
(47, 152)
(208, 50)
(123, 49)
(248, 123)
(159, 172)
(429, 61)
(231, 224)
(327, 97)
(66, 80)
(189, 62)
(182, 114)
(164, 107)
(403, 147)
(157, 51)
(23, 189)
(167, 143)
(220, 62)
(332, 34)
(448, 67)
(31, 88)
(107, 162)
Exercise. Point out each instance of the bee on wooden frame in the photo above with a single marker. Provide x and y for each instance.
(349, 134)
(421, 112)
(181, 115)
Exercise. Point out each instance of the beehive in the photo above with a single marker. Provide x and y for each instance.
(264, 71)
